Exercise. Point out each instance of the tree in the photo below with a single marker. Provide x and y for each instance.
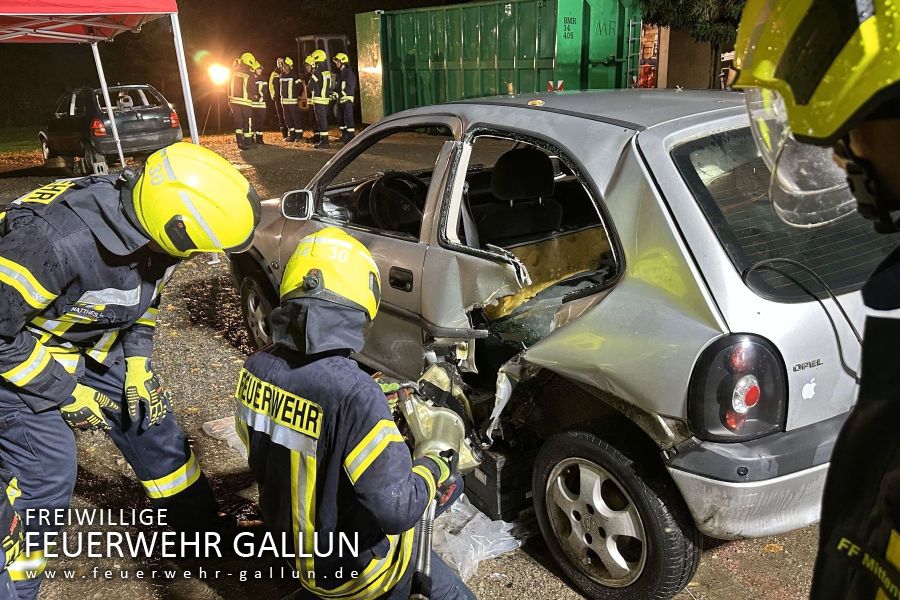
(713, 21)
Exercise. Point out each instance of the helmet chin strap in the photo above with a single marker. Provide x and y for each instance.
(873, 201)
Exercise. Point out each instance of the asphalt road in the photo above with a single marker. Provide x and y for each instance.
(200, 347)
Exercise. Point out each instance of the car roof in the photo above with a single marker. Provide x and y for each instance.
(636, 109)
(111, 88)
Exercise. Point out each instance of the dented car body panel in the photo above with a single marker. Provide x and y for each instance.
(621, 300)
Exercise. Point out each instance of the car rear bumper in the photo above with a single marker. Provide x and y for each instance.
(727, 510)
(138, 143)
(756, 488)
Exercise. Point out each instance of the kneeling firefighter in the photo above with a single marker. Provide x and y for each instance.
(82, 265)
(322, 445)
(822, 81)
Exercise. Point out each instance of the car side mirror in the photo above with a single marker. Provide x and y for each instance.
(298, 205)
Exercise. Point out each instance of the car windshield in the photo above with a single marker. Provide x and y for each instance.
(730, 181)
(128, 98)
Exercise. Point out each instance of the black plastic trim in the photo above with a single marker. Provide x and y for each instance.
(764, 458)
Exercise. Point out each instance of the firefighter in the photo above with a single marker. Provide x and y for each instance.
(322, 445)
(258, 104)
(82, 265)
(239, 99)
(291, 85)
(275, 95)
(309, 111)
(344, 94)
(826, 74)
(320, 94)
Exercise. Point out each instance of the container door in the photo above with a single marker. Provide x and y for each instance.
(611, 22)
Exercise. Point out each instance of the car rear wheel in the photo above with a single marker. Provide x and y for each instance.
(92, 162)
(615, 524)
(257, 303)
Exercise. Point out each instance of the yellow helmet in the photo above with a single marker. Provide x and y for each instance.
(189, 199)
(342, 57)
(830, 63)
(319, 56)
(332, 266)
(248, 59)
(310, 60)
(812, 71)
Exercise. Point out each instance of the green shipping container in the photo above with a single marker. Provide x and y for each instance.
(427, 56)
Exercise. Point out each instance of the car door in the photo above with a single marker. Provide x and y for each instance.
(55, 135)
(64, 129)
(417, 147)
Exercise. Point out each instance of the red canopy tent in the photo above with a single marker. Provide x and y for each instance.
(92, 21)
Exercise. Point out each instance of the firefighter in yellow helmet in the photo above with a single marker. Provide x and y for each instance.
(344, 94)
(320, 94)
(822, 81)
(82, 266)
(291, 86)
(336, 450)
(240, 98)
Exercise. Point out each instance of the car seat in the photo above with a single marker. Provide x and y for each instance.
(522, 180)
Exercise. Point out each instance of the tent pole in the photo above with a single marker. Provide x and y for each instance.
(109, 110)
(185, 83)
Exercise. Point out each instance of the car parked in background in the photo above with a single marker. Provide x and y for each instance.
(605, 274)
(79, 133)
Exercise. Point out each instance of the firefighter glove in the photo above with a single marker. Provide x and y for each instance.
(84, 409)
(142, 389)
(444, 467)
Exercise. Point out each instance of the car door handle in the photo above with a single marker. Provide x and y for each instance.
(401, 279)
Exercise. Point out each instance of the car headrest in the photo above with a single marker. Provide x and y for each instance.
(522, 173)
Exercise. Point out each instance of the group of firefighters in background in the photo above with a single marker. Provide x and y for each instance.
(302, 98)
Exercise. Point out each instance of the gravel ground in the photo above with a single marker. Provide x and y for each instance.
(200, 346)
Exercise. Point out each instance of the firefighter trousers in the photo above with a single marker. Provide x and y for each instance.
(292, 120)
(258, 119)
(279, 114)
(322, 120)
(345, 112)
(242, 115)
(39, 449)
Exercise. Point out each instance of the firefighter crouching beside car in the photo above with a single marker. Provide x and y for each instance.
(320, 94)
(828, 74)
(82, 265)
(239, 92)
(344, 94)
(291, 86)
(275, 95)
(322, 445)
(258, 104)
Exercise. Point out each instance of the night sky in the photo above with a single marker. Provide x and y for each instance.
(36, 74)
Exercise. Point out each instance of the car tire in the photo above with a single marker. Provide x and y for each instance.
(45, 148)
(89, 158)
(656, 548)
(257, 303)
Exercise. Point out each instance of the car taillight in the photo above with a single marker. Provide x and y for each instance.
(738, 390)
(175, 121)
(98, 129)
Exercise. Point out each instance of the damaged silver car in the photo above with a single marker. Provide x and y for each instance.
(638, 347)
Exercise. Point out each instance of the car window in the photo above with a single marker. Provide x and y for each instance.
(520, 199)
(62, 107)
(79, 105)
(730, 181)
(129, 98)
(385, 185)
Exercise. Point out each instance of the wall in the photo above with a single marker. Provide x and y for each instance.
(689, 63)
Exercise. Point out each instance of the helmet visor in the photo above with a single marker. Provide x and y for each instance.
(807, 188)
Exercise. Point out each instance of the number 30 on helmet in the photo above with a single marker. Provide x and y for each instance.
(332, 266)
(188, 199)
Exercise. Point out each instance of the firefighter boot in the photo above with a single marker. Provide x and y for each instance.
(323, 141)
(259, 138)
